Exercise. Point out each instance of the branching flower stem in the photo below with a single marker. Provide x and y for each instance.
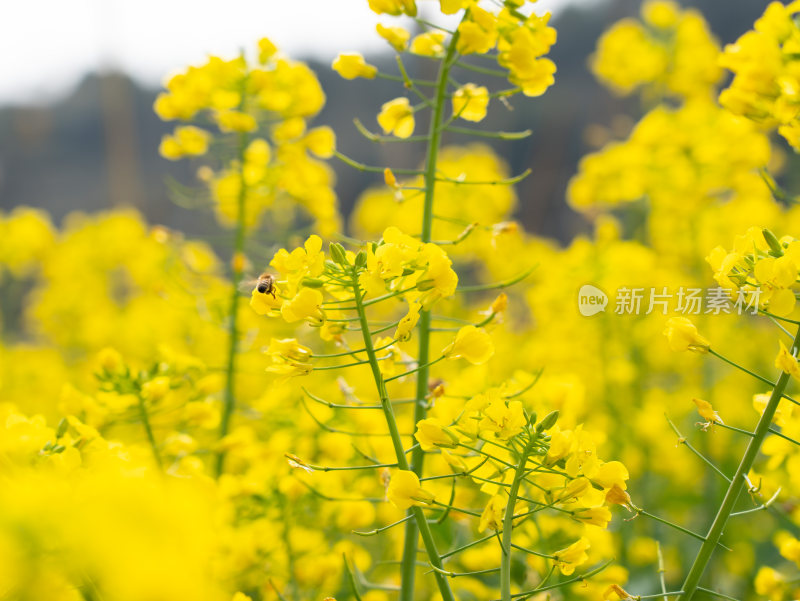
(149, 431)
(690, 586)
(508, 522)
(229, 399)
(422, 525)
(424, 326)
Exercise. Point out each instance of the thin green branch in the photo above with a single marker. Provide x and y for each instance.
(353, 352)
(579, 578)
(149, 432)
(700, 537)
(482, 70)
(747, 371)
(763, 507)
(682, 440)
(383, 528)
(708, 591)
(458, 574)
(662, 573)
(424, 366)
(372, 169)
(380, 139)
(509, 181)
(351, 578)
(467, 546)
(734, 429)
(781, 435)
(532, 552)
(499, 285)
(703, 557)
(496, 135)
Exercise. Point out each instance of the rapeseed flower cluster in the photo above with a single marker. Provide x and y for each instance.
(669, 52)
(271, 166)
(764, 64)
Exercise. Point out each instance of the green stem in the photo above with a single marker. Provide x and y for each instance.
(229, 399)
(508, 524)
(703, 557)
(149, 431)
(402, 463)
(424, 326)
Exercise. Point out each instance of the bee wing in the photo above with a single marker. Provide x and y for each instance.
(247, 286)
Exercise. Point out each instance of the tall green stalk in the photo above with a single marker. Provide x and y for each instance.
(229, 399)
(419, 517)
(424, 326)
(690, 586)
(149, 430)
(508, 525)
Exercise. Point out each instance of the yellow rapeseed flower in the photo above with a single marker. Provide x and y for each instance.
(503, 420)
(394, 7)
(472, 344)
(786, 362)
(431, 435)
(706, 411)
(571, 557)
(682, 336)
(305, 305)
(266, 50)
(470, 102)
(597, 516)
(397, 117)
(235, 121)
(408, 322)
(321, 141)
(405, 490)
(396, 36)
(492, 516)
(185, 140)
(428, 44)
(352, 65)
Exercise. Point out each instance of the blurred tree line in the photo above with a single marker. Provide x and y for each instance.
(97, 148)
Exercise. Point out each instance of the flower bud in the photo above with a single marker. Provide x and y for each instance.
(62, 427)
(337, 253)
(775, 247)
(110, 360)
(311, 283)
(548, 421)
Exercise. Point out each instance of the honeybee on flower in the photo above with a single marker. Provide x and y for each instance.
(264, 284)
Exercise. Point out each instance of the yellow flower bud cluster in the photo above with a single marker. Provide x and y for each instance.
(761, 264)
(274, 163)
(565, 472)
(26, 236)
(670, 51)
(398, 265)
(673, 154)
(521, 41)
(766, 82)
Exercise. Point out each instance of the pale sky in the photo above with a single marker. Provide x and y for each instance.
(47, 46)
